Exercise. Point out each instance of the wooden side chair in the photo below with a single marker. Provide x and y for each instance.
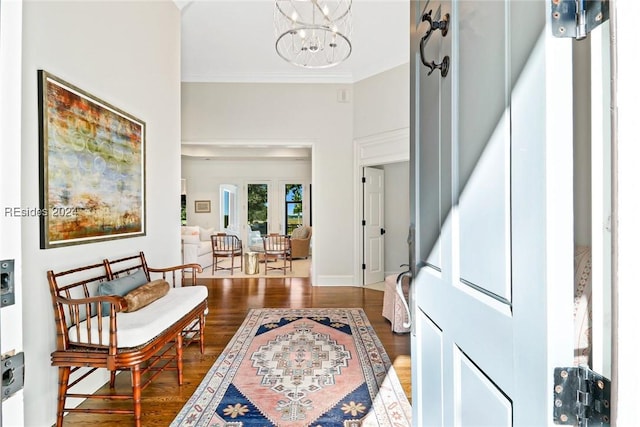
(226, 246)
(277, 246)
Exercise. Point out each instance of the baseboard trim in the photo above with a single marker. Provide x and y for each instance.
(335, 281)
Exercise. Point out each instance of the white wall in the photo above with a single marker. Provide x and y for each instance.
(396, 216)
(381, 102)
(127, 54)
(277, 113)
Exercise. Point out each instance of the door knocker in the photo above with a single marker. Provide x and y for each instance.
(443, 26)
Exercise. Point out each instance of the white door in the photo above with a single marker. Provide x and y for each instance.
(373, 217)
(492, 212)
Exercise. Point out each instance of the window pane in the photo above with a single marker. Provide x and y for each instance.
(183, 209)
(293, 206)
(257, 207)
(225, 208)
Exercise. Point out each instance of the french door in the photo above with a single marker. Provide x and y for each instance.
(258, 210)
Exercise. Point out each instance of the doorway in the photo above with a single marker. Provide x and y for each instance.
(388, 152)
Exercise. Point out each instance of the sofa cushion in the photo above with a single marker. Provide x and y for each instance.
(146, 294)
(192, 239)
(121, 286)
(204, 248)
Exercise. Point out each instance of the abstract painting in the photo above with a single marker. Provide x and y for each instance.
(92, 167)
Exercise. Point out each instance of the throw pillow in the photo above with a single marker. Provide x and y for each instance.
(187, 230)
(300, 233)
(145, 295)
(205, 234)
(121, 286)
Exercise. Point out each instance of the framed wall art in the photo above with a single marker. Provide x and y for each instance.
(203, 206)
(92, 167)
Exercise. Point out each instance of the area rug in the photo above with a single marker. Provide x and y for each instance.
(300, 367)
(300, 268)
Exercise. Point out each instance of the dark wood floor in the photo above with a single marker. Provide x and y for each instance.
(229, 300)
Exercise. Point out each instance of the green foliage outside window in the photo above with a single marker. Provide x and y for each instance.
(257, 202)
(293, 203)
(183, 209)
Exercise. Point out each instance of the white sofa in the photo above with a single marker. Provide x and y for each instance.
(196, 245)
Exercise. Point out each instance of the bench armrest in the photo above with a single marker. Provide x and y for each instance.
(172, 274)
(78, 310)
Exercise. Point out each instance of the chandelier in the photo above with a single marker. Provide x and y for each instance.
(313, 33)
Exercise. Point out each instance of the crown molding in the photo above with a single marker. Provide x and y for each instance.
(257, 77)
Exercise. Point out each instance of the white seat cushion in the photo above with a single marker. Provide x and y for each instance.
(141, 326)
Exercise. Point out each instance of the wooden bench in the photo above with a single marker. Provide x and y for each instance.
(94, 331)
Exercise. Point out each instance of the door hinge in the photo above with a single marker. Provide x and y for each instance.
(364, 222)
(364, 266)
(576, 18)
(364, 180)
(581, 397)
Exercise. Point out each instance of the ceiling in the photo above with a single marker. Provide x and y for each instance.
(233, 41)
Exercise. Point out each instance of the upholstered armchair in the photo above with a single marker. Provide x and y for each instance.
(300, 241)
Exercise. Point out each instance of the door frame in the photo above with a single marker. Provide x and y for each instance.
(373, 150)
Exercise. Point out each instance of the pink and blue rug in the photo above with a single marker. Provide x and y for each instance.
(300, 367)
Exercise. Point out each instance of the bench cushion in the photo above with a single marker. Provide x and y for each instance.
(140, 327)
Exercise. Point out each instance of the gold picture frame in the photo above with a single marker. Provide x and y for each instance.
(202, 206)
(92, 167)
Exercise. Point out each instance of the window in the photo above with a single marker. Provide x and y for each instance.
(228, 207)
(293, 207)
(258, 207)
(183, 209)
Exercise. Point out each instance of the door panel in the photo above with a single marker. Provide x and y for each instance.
(483, 208)
(428, 365)
(481, 402)
(483, 146)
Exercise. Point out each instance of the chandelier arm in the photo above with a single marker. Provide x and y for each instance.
(317, 6)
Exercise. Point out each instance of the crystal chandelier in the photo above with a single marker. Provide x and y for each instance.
(313, 33)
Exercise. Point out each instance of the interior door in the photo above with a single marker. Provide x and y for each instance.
(491, 206)
(373, 206)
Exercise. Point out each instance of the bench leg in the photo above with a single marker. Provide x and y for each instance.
(179, 357)
(112, 379)
(202, 333)
(137, 395)
(63, 386)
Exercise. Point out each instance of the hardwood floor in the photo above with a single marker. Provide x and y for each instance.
(229, 300)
